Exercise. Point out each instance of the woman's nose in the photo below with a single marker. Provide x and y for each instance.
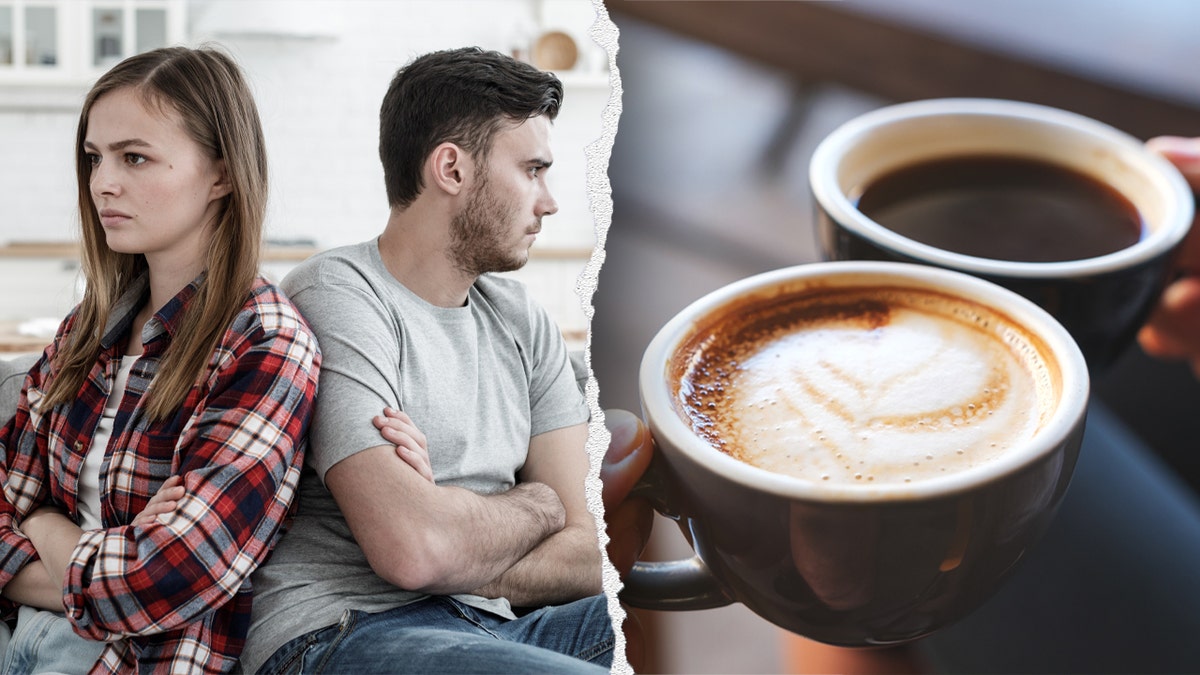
(103, 180)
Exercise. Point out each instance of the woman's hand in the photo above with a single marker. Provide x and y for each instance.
(164, 501)
(43, 522)
(55, 536)
(397, 428)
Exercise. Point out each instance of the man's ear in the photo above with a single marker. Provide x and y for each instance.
(450, 167)
(222, 186)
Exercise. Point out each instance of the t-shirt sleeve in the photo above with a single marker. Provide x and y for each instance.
(360, 347)
(554, 396)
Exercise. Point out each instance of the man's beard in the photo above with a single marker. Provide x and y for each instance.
(477, 243)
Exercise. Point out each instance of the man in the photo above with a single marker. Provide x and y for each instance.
(417, 534)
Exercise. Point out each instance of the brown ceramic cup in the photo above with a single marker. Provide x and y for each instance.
(1103, 299)
(861, 561)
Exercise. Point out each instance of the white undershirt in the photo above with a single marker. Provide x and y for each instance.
(89, 475)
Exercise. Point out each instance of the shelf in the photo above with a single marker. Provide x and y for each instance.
(572, 79)
(70, 251)
(54, 96)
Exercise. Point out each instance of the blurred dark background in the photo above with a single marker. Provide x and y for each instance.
(723, 104)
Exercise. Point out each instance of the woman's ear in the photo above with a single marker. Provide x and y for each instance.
(222, 187)
(449, 166)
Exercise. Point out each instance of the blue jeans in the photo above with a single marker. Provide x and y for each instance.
(44, 642)
(1114, 587)
(441, 635)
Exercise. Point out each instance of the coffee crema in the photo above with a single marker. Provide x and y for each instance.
(869, 386)
(1003, 208)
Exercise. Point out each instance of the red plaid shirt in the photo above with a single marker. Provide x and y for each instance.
(174, 596)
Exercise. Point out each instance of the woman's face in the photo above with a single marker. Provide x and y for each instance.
(155, 189)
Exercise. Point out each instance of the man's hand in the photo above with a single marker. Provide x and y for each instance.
(567, 565)
(1173, 331)
(437, 539)
(398, 429)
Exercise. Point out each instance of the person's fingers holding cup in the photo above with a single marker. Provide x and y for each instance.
(1173, 330)
(629, 453)
(629, 520)
(1184, 153)
(1181, 151)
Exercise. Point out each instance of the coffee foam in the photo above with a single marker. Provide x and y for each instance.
(865, 386)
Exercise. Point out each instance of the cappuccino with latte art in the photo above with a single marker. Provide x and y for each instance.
(859, 452)
(864, 385)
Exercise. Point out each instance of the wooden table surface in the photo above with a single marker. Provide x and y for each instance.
(11, 341)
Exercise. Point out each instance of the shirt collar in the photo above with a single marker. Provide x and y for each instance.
(165, 320)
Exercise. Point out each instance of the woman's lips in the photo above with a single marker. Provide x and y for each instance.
(112, 217)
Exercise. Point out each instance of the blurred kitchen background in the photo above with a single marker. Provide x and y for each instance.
(319, 69)
(723, 104)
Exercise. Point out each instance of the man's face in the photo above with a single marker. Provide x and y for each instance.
(503, 213)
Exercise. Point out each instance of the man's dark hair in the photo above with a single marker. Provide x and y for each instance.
(461, 96)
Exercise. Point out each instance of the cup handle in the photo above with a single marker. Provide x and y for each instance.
(676, 585)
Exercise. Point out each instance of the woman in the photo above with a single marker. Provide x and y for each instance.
(181, 374)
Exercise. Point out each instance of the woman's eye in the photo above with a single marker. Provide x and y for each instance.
(92, 159)
(134, 159)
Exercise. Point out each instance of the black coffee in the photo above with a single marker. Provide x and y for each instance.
(1004, 208)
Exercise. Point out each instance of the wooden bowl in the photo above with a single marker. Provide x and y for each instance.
(555, 50)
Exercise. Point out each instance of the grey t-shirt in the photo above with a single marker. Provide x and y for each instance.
(478, 380)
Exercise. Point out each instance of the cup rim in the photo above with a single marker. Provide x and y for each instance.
(823, 181)
(673, 434)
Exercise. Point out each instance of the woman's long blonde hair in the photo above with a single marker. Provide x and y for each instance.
(206, 89)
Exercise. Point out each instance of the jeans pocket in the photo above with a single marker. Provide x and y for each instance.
(289, 659)
(312, 648)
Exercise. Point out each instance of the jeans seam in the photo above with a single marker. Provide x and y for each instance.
(297, 656)
(348, 622)
(462, 614)
(597, 649)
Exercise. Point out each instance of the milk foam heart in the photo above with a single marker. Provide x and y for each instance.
(868, 386)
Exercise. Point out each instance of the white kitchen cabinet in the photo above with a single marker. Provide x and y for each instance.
(52, 50)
